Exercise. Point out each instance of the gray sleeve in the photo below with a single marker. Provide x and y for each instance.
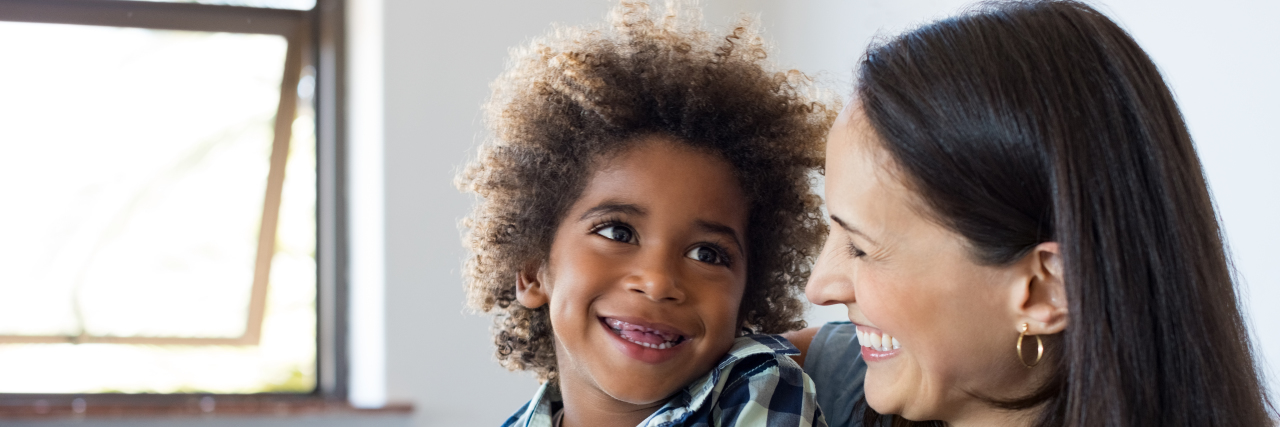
(834, 362)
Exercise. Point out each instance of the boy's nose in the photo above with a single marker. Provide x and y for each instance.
(656, 280)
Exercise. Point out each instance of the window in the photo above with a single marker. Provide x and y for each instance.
(170, 181)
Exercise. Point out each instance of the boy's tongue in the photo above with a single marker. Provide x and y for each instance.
(642, 336)
(638, 333)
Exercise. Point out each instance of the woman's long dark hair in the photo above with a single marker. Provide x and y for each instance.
(1026, 122)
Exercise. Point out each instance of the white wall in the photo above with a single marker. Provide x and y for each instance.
(1223, 63)
(440, 56)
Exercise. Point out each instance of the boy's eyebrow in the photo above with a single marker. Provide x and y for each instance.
(610, 207)
(727, 231)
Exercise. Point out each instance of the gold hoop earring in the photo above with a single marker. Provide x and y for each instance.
(1039, 348)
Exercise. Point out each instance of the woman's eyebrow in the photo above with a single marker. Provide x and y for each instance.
(721, 229)
(612, 207)
(852, 229)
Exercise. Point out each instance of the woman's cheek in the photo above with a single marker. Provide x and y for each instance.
(877, 299)
(895, 306)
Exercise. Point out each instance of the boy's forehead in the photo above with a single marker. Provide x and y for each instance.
(613, 157)
(662, 173)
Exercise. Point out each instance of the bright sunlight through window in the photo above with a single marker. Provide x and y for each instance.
(137, 188)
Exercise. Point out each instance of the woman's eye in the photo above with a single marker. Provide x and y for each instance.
(617, 232)
(707, 255)
(855, 252)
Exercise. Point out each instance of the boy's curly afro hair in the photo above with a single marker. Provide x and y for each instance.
(580, 94)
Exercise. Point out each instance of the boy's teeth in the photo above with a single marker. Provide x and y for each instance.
(643, 336)
(878, 341)
(662, 346)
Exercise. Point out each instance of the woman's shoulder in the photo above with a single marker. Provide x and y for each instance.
(834, 361)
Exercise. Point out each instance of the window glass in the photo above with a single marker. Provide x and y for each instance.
(133, 170)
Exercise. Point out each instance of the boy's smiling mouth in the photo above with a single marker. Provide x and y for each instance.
(645, 334)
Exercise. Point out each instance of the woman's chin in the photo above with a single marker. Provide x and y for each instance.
(882, 394)
(886, 403)
(882, 403)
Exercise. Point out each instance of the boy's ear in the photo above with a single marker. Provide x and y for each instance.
(1041, 302)
(529, 287)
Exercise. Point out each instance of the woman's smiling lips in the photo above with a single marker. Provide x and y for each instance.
(648, 342)
(876, 345)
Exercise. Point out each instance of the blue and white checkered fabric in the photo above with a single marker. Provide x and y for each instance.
(756, 384)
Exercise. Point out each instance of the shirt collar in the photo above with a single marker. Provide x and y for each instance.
(540, 410)
(700, 392)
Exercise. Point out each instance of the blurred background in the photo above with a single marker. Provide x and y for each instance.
(135, 163)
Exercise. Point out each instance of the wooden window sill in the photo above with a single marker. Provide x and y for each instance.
(199, 406)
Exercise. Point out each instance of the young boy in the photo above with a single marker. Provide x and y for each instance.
(644, 210)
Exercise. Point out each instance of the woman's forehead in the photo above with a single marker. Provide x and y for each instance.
(864, 186)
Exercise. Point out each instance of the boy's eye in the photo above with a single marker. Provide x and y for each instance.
(707, 255)
(618, 233)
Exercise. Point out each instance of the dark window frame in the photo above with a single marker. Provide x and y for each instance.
(319, 35)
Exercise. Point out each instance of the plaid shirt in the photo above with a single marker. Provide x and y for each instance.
(756, 384)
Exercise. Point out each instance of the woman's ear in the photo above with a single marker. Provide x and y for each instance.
(1042, 300)
(529, 287)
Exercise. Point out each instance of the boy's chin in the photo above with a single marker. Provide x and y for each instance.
(642, 389)
(644, 396)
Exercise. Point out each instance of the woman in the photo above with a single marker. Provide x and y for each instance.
(1023, 236)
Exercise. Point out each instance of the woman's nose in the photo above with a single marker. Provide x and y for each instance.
(829, 282)
(656, 279)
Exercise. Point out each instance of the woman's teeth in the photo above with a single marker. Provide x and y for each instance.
(642, 336)
(877, 341)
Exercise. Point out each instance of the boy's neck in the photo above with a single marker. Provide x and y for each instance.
(590, 407)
